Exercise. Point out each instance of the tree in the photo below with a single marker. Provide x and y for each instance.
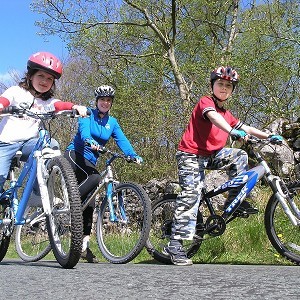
(158, 55)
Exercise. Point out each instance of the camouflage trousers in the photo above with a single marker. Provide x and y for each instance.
(191, 173)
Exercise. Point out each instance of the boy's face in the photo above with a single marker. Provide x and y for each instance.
(222, 89)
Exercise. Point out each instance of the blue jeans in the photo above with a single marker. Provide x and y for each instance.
(8, 151)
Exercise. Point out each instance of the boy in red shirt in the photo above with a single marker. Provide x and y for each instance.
(202, 147)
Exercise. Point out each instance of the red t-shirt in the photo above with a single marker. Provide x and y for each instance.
(201, 137)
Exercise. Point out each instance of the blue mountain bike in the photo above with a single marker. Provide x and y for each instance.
(282, 213)
(60, 209)
(123, 213)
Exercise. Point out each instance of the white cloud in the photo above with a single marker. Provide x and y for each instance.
(6, 77)
(9, 78)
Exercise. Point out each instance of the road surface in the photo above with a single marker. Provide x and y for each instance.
(45, 280)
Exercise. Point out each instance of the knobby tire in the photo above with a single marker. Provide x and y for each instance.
(121, 241)
(64, 224)
(162, 215)
(283, 235)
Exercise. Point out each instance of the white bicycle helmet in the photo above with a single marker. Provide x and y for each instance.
(104, 91)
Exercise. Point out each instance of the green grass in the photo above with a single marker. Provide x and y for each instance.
(244, 242)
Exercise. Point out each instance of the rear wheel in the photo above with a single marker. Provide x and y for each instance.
(31, 239)
(121, 239)
(64, 224)
(284, 236)
(162, 215)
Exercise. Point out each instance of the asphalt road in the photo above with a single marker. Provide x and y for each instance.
(47, 280)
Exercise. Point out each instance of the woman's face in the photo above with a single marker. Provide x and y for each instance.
(222, 89)
(104, 104)
(42, 81)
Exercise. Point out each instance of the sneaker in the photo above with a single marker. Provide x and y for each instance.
(247, 207)
(177, 255)
(89, 256)
(244, 208)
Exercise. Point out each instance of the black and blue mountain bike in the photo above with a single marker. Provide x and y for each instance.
(282, 213)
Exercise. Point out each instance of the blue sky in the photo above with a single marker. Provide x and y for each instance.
(19, 38)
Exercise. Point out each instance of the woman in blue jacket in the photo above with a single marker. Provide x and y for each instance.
(92, 134)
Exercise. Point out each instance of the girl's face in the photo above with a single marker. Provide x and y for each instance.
(104, 104)
(42, 81)
(222, 89)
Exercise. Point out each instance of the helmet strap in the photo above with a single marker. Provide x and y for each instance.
(215, 99)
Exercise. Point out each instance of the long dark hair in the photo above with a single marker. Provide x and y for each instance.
(25, 83)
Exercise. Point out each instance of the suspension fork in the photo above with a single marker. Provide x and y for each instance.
(109, 195)
(42, 174)
(283, 197)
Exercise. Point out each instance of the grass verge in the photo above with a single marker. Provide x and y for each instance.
(244, 242)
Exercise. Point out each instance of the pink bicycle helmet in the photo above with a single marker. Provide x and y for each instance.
(226, 73)
(47, 62)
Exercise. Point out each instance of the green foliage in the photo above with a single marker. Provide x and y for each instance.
(159, 54)
(244, 242)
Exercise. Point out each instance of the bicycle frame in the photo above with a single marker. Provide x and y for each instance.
(246, 181)
(34, 167)
(108, 180)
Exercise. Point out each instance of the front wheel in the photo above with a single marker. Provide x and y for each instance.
(121, 239)
(64, 224)
(284, 236)
(162, 216)
(31, 239)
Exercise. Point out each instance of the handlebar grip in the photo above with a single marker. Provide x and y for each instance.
(75, 113)
(10, 110)
(130, 159)
(101, 149)
(277, 142)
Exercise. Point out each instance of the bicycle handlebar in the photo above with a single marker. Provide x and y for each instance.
(19, 111)
(252, 140)
(114, 155)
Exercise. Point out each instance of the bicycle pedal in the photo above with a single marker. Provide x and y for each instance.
(243, 215)
(197, 238)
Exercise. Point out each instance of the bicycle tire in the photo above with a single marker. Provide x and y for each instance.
(31, 239)
(4, 237)
(64, 224)
(162, 215)
(120, 241)
(283, 235)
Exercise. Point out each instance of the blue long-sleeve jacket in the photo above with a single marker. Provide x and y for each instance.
(99, 129)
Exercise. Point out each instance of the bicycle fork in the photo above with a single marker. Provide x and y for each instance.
(42, 175)
(283, 197)
(110, 195)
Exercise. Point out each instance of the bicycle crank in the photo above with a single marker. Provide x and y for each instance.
(215, 225)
